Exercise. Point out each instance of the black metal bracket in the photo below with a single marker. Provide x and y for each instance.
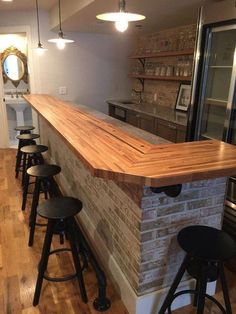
(142, 61)
(141, 80)
(171, 190)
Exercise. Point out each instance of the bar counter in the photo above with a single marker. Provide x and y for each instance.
(111, 153)
(113, 169)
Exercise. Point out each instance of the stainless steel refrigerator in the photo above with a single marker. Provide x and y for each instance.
(213, 99)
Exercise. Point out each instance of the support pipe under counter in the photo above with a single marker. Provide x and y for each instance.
(132, 229)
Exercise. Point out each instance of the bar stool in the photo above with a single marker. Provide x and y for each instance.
(57, 210)
(24, 129)
(24, 140)
(206, 250)
(44, 183)
(31, 156)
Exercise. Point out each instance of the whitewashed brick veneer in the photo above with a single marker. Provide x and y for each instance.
(138, 227)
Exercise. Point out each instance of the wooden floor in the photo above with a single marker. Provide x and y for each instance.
(18, 263)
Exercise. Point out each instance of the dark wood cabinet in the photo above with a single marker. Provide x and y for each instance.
(166, 130)
(132, 118)
(170, 131)
(117, 112)
(181, 134)
(141, 120)
(147, 123)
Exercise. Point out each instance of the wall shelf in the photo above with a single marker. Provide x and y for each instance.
(186, 52)
(161, 78)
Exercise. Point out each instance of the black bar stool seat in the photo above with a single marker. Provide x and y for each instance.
(206, 250)
(32, 155)
(34, 149)
(28, 136)
(24, 128)
(44, 171)
(24, 139)
(57, 210)
(207, 243)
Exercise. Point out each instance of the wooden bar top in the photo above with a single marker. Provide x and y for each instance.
(111, 153)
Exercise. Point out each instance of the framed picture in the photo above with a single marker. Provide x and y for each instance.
(183, 98)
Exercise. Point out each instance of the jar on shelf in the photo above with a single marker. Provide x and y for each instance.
(169, 70)
(158, 69)
(163, 70)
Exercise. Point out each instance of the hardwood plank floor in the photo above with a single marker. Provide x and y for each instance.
(18, 263)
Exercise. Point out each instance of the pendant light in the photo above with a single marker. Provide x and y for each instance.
(60, 41)
(121, 18)
(40, 50)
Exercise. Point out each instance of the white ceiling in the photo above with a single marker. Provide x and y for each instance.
(27, 4)
(80, 15)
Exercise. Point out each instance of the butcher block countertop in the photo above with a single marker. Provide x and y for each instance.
(112, 153)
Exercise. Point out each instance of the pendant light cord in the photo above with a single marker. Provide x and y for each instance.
(122, 5)
(59, 5)
(37, 10)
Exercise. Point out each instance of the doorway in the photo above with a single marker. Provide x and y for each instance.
(15, 81)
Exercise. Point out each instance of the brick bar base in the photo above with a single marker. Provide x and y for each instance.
(132, 229)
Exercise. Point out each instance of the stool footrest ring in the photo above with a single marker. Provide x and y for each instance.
(196, 293)
(63, 249)
(60, 279)
(40, 225)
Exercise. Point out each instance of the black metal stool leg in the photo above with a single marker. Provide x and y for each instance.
(202, 291)
(25, 191)
(18, 161)
(168, 300)
(225, 290)
(196, 295)
(44, 260)
(23, 168)
(75, 253)
(33, 213)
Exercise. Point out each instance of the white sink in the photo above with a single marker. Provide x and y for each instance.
(19, 105)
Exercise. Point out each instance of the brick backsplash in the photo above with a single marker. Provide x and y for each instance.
(138, 227)
(180, 38)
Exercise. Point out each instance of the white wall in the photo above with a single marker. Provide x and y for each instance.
(93, 69)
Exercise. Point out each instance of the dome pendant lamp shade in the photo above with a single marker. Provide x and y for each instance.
(40, 50)
(121, 18)
(60, 41)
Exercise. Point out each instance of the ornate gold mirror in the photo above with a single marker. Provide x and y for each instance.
(14, 66)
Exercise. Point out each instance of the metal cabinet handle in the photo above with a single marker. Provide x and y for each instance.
(173, 127)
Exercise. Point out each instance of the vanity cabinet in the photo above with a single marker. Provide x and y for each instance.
(170, 131)
(141, 120)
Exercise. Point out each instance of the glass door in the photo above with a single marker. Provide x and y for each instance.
(218, 73)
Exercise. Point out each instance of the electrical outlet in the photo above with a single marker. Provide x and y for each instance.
(62, 90)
